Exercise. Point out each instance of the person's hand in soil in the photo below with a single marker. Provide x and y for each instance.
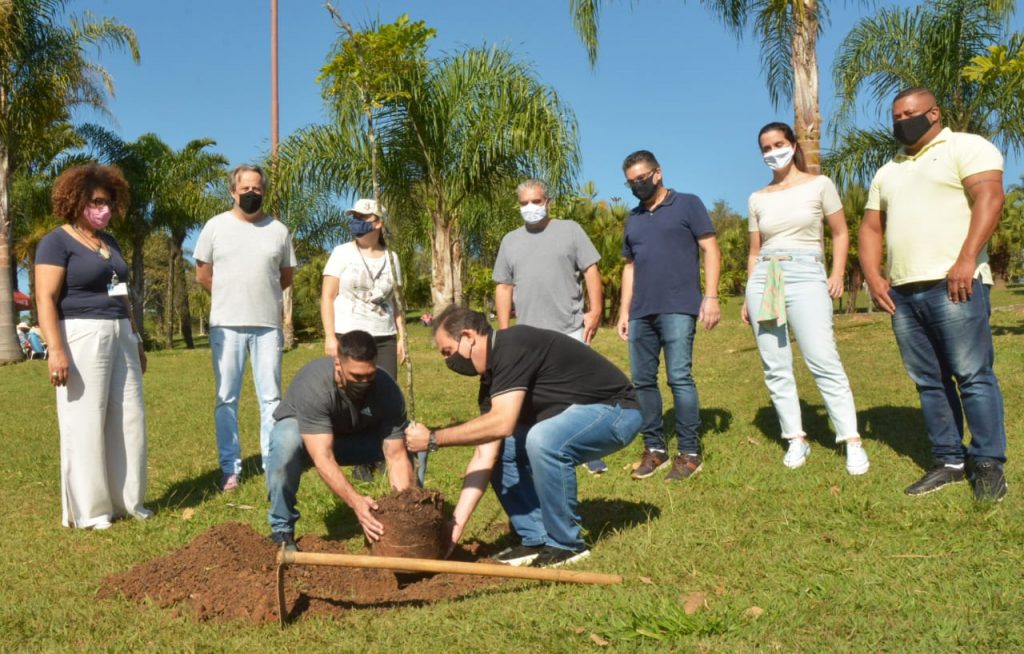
(364, 506)
(452, 536)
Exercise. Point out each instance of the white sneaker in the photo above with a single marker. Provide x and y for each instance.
(856, 458)
(797, 453)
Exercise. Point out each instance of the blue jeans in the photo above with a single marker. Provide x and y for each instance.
(947, 350)
(672, 332)
(230, 346)
(535, 476)
(287, 460)
(809, 316)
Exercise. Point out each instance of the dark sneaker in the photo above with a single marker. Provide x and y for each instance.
(362, 472)
(684, 466)
(552, 557)
(651, 462)
(596, 467)
(989, 482)
(519, 555)
(229, 482)
(285, 538)
(935, 479)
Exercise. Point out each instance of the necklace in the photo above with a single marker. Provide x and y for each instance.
(100, 248)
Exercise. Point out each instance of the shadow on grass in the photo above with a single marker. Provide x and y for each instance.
(902, 429)
(815, 423)
(712, 420)
(603, 516)
(1005, 330)
(192, 492)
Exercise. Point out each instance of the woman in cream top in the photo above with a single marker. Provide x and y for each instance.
(787, 289)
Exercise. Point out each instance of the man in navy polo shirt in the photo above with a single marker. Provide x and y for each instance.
(661, 306)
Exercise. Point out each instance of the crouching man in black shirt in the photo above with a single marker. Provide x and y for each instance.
(338, 411)
(548, 403)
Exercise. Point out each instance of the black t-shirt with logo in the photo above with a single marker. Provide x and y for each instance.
(555, 370)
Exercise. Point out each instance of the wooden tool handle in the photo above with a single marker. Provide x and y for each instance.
(454, 567)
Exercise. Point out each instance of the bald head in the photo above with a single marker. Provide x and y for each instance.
(922, 93)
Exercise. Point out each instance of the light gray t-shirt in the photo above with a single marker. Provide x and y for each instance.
(544, 268)
(247, 259)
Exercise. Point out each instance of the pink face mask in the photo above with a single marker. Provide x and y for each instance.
(98, 217)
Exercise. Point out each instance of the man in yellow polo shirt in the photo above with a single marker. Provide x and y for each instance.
(938, 202)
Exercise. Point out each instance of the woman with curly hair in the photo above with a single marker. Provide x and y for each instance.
(96, 358)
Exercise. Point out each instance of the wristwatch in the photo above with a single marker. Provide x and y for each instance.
(432, 442)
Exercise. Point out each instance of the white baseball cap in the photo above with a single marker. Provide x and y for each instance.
(366, 207)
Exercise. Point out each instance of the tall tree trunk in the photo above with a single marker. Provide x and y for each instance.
(169, 296)
(184, 311)
(10, 351)
(138, 275)
(807, 121)
(446, 265)
(856, 279)
(288, 323)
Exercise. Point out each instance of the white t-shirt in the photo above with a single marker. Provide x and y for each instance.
(366, 288)
(793, 218)
(247, 258)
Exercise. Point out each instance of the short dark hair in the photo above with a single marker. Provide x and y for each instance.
(357, 345)
(455, 318)
(914, 90)
(787, 131)
(640, 156)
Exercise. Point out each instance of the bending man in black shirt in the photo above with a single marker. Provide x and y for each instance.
(338, 411)
(548, 403)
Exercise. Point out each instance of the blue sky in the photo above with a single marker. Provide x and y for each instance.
(669, 79)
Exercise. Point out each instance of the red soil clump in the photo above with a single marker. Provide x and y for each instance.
(413, 524)
(228, 573)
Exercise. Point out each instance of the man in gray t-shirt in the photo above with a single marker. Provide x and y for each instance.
(538, 269)
(339, 410)
(245, 259)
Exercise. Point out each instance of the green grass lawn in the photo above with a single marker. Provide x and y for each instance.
(806, 560)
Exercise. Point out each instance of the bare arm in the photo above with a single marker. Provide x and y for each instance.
(49, 280)
(496, 424)
(710, 311)
(400, 472)
(328, 293)
(474, 485)
(869, 250)
(319, 447)
(503, 304)
(287, 275)
(840, 249)
(595, 299)
(625, 298)
(204, 275)
(986, 192)
(752, 256)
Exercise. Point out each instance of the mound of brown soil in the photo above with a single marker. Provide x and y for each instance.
(413, 524)
(228, 573)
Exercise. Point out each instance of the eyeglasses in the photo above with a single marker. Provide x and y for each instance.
(642, 178)
(100, 202)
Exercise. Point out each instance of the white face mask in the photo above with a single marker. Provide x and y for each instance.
(780, 158)
(533, 213)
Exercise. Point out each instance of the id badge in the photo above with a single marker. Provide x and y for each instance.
(117, 290)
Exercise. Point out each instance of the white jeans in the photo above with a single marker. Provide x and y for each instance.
(102, 424)
(809, 315)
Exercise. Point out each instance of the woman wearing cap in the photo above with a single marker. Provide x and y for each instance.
(96, 359)
(358, 290)
(787, 288)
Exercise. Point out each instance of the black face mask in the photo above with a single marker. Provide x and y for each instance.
(460, 365)
(643, 189)
(359, 392)
(910, 130)
(250, 202)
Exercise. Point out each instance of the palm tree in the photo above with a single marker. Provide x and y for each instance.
(455, 136)
(943, 45)
(788, 31)
(189, 188)
(44, 72)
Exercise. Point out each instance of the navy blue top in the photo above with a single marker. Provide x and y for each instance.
(86, 275)
(666, 258)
